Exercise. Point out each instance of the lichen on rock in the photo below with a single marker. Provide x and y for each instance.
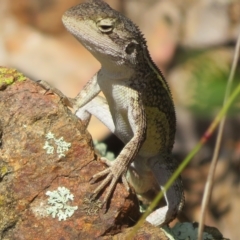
(8, 76)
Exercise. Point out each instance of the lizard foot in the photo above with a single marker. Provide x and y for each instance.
(114, 172)
(67, 101)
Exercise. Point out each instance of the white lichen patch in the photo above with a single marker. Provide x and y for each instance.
(53, 144)
(59, 200)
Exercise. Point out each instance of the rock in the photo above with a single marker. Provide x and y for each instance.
(146, 232)
(43, 146)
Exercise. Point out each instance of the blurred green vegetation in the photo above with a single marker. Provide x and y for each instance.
(206, 74)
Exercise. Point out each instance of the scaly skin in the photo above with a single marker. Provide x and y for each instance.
(138, 107)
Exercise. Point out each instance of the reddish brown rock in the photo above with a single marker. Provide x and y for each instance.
(146, 232)
(27, 172)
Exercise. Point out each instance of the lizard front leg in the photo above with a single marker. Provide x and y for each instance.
(89, 91)
(99, 108)
(162, 167)
(118, 168)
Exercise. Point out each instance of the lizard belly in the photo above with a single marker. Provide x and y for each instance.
(157, 137)
(118, 98)
(122, 127)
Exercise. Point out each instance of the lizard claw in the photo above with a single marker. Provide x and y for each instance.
(114, 172)
(44, 84)
(111, 163)
(67, 101)
(99, 175)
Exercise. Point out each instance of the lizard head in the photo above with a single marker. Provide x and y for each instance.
(107, 34)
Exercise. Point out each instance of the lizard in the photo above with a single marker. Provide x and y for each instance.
(137, 107)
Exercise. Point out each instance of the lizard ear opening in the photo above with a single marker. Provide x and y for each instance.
(131, 51)
(106, 25)
(130, 48)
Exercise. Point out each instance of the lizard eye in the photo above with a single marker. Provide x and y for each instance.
(106, 25)
(105, 28)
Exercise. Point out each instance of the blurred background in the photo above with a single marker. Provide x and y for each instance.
(191, 41)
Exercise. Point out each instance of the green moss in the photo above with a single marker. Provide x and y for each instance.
(8, 80)
(10, 75)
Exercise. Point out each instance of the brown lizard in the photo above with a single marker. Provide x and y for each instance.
(137, 107)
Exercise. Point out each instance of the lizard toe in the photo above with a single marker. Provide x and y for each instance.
(95, 177)
(66, 101)
(104, 183)
(107, 161)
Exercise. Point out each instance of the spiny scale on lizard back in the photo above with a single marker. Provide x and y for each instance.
(155, 96)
